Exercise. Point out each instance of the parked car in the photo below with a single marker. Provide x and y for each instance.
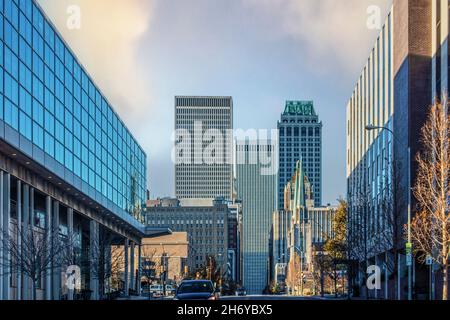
(241, 292)
(156, 290)
(196, 290)
(170, 290)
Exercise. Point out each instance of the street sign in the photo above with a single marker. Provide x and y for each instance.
(408, 248)
(409, 260)
(429, 261)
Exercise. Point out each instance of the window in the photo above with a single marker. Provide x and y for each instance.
(26, 7)
(59, 48)
(59, 111)
(38, 90)
(11, 114)
(25, 125)
(49, 35)
(38, 20)
(49, 122)
(68, 160)
(38, 43)
(68, 140)
(69, 61)
(38, 112)
(11, 37)
(59, 131)
(11, 63)
(59, 152)
(77, 166)
(25, 52)
(49, 144)
(11, 89)
(38, 66)
(38, 135)
(25, 101)
(25, 76)
(12, 13)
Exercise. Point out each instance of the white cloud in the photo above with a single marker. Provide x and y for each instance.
(329, 30)
(107, 45)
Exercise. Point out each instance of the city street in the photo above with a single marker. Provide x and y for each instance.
(251, 298)
(267, 297)
(242, 151)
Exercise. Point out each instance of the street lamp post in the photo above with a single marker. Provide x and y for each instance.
(409, 246)
(210, 268)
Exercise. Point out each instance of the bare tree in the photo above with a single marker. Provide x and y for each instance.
(390, 228)
(34, 252)
(320, 269)
(296, 272)
(106, 261)
(359, 229)
(430, 228)
(149, 265)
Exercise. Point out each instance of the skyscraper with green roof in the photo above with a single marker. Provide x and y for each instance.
(300, 132)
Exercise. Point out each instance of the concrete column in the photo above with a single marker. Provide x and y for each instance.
(413, 278)
(5, 211)
(139, 268)
(1, 235)
(31, 207)
(132, 267)
(19, 240)
(26, 235)
(70, 236)
(376, 289)
(32, 297)
(386, 275)
(7, 233)
(56, 274)
(48, 227)
(95, 245)
(399, 272)
(108, 267)
(126, 267)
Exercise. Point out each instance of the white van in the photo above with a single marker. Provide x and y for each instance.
(156, 290)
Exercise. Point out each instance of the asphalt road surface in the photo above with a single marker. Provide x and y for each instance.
(250, 298)
(267, 297)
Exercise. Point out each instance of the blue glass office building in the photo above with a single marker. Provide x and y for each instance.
(406, 69)
(59, 135)
(259, 200)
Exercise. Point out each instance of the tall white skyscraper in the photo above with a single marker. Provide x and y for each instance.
(203, 147)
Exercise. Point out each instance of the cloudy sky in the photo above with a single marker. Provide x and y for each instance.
(142, 53)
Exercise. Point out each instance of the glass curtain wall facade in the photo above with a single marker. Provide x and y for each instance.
(407, 68)
(440, 47)
(370, 153)
(259, 201)
(63, 120)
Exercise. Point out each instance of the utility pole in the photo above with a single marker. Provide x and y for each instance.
(301, 273)
(210, 268)
(409, 245)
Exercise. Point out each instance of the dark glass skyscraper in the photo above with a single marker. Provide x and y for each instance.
(300, 138)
